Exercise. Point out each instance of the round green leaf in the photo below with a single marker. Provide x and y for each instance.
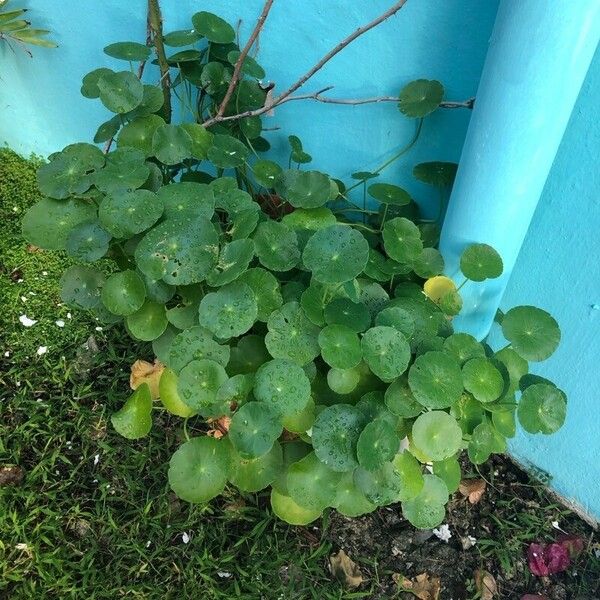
(427, 509)
(440, 174)
(131, 51)
(191, 55)
(542, 408)
(213, 28)
(533, 333)
(435, 379)
(120, 92)
(343, 311)
(227, 152)
(312, 484)
(47, 223)
(480, 262)
(336, 254)
(282, 385)
(291, 512)
(481, 444)
(400, 400)
(199, 469)
(398, 318)
(230, 311)
(437, 435)
(302, 421)
(340, 346)
(410, 473)
(250, 66)
(134, 420)
(89, 84)
(87, 242)
(171, 144)
(266, 290)
(195, 343)
(303, 189)
(253, 475)
(483, 379)
(152, 101)
(516, 366)
(335, 434)
(377, 444)
(389, 194)
(343, 381)
(380, 486)
(449, 471)
(248, 355)
(291, 335)
(199, 382)
(429, 263)
(463, 347)
(350, 500)
(266, 172)
(149, 322)
(181, 37)
(202, 140)
(276, 246)
(125, 169)
(234, 259)
(69, 172)
(124, 293)
(169, 396)
(186, 198)
(124, 214)
(139, 133)
(386, 351)
(420, 98)
(402, 240)
(81, 287)
(215, 78)
(179, 250)
(254, 429)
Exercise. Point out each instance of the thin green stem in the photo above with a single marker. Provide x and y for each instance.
(396, 156)
(463, 283)
(366, 227)
(359, 210)
(385, 210)
(185, 430)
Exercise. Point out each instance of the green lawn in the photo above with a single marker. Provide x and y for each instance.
(93, 516)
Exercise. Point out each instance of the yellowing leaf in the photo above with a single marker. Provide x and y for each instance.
(344, 569)
(144, 372)
(436, 287)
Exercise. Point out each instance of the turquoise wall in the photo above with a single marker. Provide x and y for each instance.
(557, 269)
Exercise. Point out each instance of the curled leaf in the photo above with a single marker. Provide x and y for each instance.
(472, 489)
(143, 371)
(345, 570)
(422, 586)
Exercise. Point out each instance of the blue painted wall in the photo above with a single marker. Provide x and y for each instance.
(41, 110)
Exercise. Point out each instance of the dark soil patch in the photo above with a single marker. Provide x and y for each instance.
(513, 512)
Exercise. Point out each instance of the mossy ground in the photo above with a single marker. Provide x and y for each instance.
(93, 517)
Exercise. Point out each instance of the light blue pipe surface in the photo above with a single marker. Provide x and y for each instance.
(539, 54)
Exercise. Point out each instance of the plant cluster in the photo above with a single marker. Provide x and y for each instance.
(306, 340)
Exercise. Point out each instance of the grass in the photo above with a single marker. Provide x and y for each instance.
(76, 529)
(94, 518)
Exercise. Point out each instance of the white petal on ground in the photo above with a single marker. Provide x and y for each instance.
(224, 574)
(185, 538)
(443, 532)
(96, 459)
(42, 350)
(7, 354)
(26, 321)
(60, 323)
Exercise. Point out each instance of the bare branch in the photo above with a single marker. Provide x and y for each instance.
(242, 57)
(155, 20)
(284, 97)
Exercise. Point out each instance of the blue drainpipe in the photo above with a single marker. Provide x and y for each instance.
(540, 51)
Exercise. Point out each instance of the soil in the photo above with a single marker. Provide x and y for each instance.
(513, 512)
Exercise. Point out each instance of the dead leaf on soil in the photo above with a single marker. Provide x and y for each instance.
(144, 372)
(486, 585)
(472, 489)
(345, 570)
(11, 475)
(422, 586)
(218, 427)
(33, 249)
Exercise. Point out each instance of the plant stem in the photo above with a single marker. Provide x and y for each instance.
(155, 21)
(463, 283)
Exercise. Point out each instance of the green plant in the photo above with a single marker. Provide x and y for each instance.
(18, 30)
(301, 345)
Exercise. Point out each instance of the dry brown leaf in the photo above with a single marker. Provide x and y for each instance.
(422, 586)
(144, 372)
(485, 584)
(345, 570)
(10, 475)
(218, 427)
(472, 489)
(33, 249)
